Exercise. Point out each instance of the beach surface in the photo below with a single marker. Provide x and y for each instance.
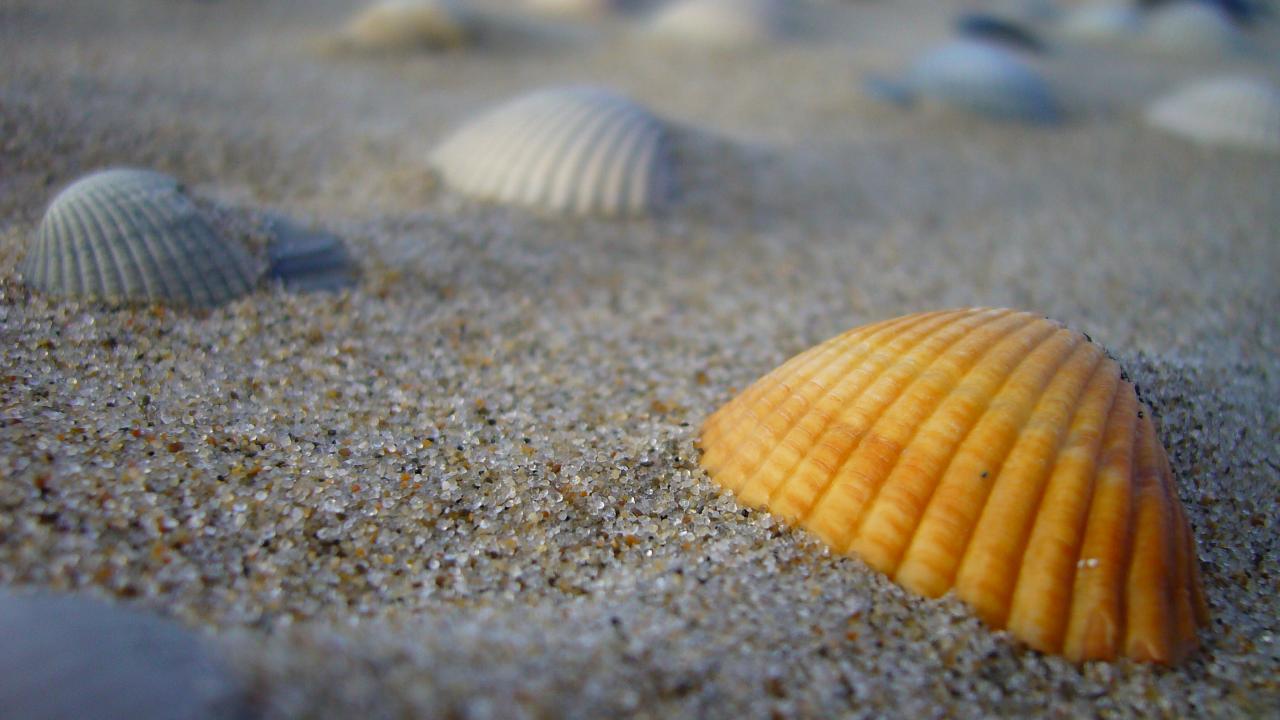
(469, 486)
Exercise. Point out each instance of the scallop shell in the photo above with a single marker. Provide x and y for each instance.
(991, 453)
(1238, 111)
(984, 79)
(577, 150)
(66, 657)
(1191, 28)
(1101, 22)
(720, 23)
(133, 235)
(409, 24)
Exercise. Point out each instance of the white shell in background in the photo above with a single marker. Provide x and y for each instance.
(579, 8)
(984, 79)
(1237, 111)
(1191, 28)
(720, 23)
(133, 235)
(1099, 23)
(578, 150)
(67, 657)
(409, 24)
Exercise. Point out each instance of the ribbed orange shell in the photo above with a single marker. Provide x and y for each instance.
(992, 453)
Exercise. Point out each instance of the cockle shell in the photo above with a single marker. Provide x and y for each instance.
(134, 235)
(66, 657)
(577, 150)
(721, 23)
(409, 24)
(1191, 28)
(1238, 111)
(990, 453)
(984, 79)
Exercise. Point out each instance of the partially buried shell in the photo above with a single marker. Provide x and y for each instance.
(577, 150)
(1237, 111)
(134, 235)
(410, 24)
(986, 80)
(1105, 22)
(721, 23)
(991, 453)
(580, 8)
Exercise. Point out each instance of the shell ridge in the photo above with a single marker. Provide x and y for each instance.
(1096, 622)
(841, 463)
(988, 347)
(613, 147)
(614, 173)
(634, 174)
(1184, 612)
(1038, 614)
(144, 213)
(88, 260)
(1147, 604)
(800, 364)
(536, 153)
(774, 392)
(569, 174)
(940, 514)
(53, 235)
(109, 203)
(991, 589)
(908, 341)
(158, 242)
(197, 246)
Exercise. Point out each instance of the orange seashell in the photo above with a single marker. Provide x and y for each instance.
(992, 453)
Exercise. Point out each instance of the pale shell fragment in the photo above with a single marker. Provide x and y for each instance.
(990, 453)
(1235, 111)
(135, 236)
(574, 150)
(1105, 22)
(721, 23)
(66, 657)
(580, 8)
(1191, 28)
(410, 24)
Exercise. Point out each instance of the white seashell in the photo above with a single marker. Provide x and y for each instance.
(1191, 28)
(133, 235)
(577, 150)
(409, 24)
(579, 8)
(721, 23)
(984, 79)
(67, 657)
(1106, 22)
(1236, 111)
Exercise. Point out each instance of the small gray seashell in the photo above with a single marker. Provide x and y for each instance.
(984, 79)
(134, 235)
(410, 24)
(307, 260)
(577, 150)
(1235, 111)
(721, 23)
(1099, 23)
(65, 657)
(1191, 28)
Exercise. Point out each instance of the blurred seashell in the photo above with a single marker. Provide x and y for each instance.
(1191, 28)
(1101, 22)
(580, 8)
(410, 24)
(576, 150)
(66, 657)
(307, 260)
(134, 235)
(720, 23)
(1237, 111)
(996, 29)
(986, 80)
(990, 453)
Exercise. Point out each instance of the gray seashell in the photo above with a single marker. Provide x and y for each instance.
(134, 235)
(1099, 23)
(984, 79)
(721, 23)
(1235, 111)
(577, 150)
(307, 260)
(1191, 28)
(66, 657)
(410, 24)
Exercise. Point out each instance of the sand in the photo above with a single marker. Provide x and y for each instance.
(469, 487)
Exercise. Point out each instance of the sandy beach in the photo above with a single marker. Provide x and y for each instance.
(469, 487)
